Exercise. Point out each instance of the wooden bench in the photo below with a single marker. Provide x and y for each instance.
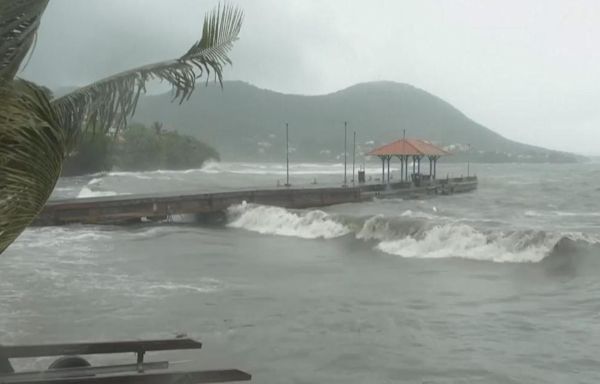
(71, 368)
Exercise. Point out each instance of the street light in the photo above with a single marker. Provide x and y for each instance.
(287, 156)
(353, 157)
(468, 159)
(345, 152)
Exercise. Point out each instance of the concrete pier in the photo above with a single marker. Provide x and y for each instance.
(130, 208)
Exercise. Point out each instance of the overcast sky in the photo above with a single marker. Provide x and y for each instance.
(528, 69)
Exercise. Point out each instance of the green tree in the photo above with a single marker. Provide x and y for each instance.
(185, 152)
(146, 149)
(157, 126)
(92, 154)
(139, 150)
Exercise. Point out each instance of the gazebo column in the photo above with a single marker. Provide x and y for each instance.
(409, 150)
(388, 159)
(401, 168)
(430, 166)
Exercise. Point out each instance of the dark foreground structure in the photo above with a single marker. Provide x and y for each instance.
(72, 368)
(209, 206)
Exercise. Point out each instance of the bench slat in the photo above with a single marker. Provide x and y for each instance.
(196, 377)
(19, 377)
(23, 351)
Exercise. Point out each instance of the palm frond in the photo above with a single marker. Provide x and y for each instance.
(32, 149)
(19, 21)
(109, 102)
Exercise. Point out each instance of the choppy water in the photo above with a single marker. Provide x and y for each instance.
(496, 286)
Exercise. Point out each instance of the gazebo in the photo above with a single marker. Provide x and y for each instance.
(405, 149)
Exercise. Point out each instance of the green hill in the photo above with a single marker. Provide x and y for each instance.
(244, 122)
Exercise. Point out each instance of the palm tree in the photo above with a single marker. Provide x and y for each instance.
(38, 131)
(157, 127)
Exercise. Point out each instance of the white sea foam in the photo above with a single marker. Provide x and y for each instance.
(277, 169)
(48, 237)
(375, 228)
(154, 232)
(279, 221)
(211, 167)
(86, 192)
(589, 238)
(532, 213)
(136, 175)
(159, 173)
(210, 285)
(464, 241)
(421, 215)
(63, 189)
(576, 214)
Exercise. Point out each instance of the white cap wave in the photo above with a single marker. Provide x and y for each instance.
(279, 221)
(416, 238)
(464, 241)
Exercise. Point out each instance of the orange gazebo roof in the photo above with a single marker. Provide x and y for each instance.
(409, 147)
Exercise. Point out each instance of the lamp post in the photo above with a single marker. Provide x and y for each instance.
(468, 159)
(353, 157)
(345, 152)
(287, 156)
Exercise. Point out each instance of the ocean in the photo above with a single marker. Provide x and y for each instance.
(500, 285)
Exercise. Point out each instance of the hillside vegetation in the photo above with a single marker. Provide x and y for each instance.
(138, 148)
(248, 123)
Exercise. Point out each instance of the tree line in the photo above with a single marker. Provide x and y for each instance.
(137, 148)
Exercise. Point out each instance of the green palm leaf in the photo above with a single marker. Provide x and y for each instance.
(109, 102)
(19, 21)
(32, 149)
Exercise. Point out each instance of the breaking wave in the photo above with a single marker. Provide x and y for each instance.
(409, 235)
(464, 241)
(383, 228)
(279, 221)
(94, 189)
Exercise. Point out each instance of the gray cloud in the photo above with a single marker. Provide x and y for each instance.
(529, 70)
